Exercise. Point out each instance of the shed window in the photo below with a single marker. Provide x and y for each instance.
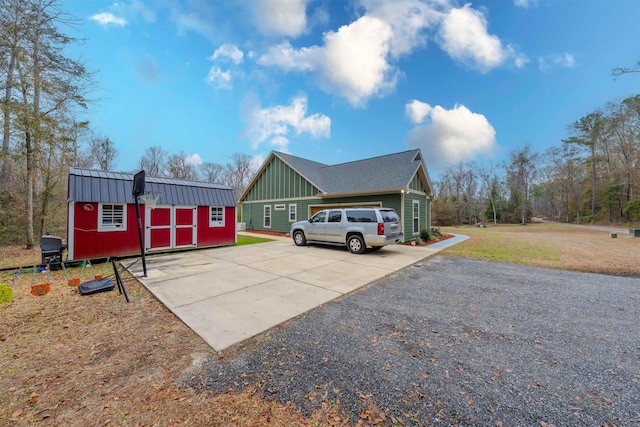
(267, 217)
(293, 212)
(112, 217)
(216, 216)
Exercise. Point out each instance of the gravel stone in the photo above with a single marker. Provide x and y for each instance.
(458, 341)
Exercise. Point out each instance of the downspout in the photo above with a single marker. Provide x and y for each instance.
(402, 212)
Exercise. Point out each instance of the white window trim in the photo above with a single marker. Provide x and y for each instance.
(264, 216)
(413, 217)
(213, 223)
(295, 212)
(102, 227)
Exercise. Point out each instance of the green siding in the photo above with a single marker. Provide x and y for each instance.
(278, 181)
(416, 184)
(424, 215)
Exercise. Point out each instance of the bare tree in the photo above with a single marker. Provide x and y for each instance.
(619, 71)
(154, 161)
(212, 172)
(103, 152)
(179, 167)
(489, 186)
(239, 172)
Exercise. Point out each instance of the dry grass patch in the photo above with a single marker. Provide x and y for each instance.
(551, 246)
(73, 360)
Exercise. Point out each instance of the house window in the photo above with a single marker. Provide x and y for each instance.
(293, 213)
(416, 217)
(267, 217)
(216, 217)
(112, 217)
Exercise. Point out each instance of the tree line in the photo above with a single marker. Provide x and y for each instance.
(592, 176)
(44, 92)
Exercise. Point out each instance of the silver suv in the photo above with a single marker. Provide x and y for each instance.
(356, 228)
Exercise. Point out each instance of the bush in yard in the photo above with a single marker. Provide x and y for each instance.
(425, 235)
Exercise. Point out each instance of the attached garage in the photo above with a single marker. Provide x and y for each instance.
(289, 188)
(102, 222)
(313, 209)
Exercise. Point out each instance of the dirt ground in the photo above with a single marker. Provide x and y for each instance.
(67, 359)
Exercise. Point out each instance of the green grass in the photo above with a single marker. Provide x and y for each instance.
(250, 240)
(495, 244)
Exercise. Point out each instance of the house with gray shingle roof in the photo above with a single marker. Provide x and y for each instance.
(287, 188)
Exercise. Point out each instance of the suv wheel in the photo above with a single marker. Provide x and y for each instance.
(299, 239)
(355, 244)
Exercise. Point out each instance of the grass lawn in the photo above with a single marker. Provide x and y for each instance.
(552, 246)
(250, 240)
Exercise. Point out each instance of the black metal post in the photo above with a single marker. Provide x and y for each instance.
(144, 261)
(119, 281)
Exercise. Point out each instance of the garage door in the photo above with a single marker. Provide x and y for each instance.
(317, 208)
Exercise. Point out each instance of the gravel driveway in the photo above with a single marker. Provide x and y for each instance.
(458, 341)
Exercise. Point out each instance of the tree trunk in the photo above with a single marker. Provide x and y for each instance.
(4, 174)
(593, 181)
(30, 178)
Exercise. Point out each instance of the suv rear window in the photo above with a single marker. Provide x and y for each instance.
(389, 216)
(361, 215)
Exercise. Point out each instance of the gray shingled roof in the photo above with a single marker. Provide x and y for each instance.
(389, 172)
(94, 186)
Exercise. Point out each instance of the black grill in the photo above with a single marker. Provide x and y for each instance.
(52, 248)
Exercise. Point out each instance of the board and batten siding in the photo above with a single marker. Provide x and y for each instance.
(279, 181)
(416, 184)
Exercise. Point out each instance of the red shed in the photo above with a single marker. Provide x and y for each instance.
(101, 217)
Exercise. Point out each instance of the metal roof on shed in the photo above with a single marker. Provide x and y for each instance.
(95, 186)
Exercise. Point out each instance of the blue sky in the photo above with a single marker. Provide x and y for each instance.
(336, 81)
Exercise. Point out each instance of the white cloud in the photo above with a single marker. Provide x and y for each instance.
(352, 63)
(565, 60)
(464, 36)
(228, 51)
(274, 124)
(525, 3)
(355, 60)
(452, 136)
(417, 110)
(219, 79)
(408, 20)
(194, 160)
(284, 56)
(106, 19)
(280, 17)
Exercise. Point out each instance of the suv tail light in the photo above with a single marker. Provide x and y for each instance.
(380, 228)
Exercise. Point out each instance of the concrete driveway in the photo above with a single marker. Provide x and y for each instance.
(229, 294)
